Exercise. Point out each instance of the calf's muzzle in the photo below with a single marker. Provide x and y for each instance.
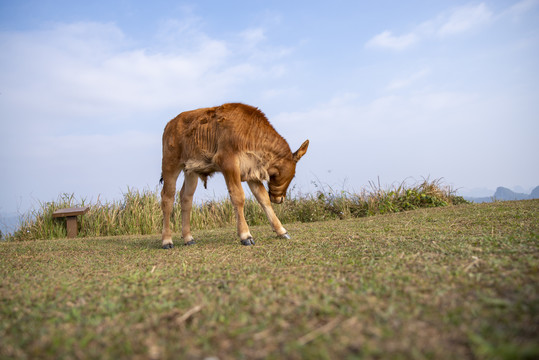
(276, 199)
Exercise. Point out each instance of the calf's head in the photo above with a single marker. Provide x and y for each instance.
(282, 173)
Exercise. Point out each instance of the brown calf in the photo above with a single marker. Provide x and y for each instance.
(236, 140)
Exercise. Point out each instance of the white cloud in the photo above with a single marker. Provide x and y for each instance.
(91, 69)
(523, 6)
(520, 8)
(389, 41)
(253, 36)
(456, 21)
(404, 82)
(78, 97)
(465, 18)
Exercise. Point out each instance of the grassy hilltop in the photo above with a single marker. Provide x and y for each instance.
(139, 212)
(456, 282)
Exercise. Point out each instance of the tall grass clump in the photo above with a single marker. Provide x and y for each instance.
(328, 204)
(139, 212)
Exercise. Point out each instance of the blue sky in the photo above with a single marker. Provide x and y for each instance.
(388, 89)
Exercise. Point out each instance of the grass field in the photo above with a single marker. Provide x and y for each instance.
(457, 282)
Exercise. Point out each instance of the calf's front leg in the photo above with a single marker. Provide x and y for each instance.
(262, 196)
(237, 196)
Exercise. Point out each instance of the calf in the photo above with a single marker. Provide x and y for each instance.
(236, 140)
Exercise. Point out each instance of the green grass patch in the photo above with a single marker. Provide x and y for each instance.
(456, 282)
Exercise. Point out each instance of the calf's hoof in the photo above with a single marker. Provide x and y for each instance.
(168, 246)
(285, 236)
(190, 242)
(248, 242)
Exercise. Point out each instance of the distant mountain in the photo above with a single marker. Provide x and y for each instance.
(505, 194)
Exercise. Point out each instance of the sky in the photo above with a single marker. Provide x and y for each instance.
(385, 91)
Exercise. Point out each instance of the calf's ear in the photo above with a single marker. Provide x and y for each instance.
(301, 151)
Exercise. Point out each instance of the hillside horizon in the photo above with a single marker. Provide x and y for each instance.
(505, 194)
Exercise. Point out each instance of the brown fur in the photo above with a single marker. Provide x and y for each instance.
(236, 140)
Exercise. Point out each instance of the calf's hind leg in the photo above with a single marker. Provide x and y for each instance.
(186, 197)
(167, 201)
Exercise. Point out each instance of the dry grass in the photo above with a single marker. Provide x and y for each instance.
(139, 212)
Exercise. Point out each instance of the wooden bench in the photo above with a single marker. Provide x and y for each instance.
(71, 218)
